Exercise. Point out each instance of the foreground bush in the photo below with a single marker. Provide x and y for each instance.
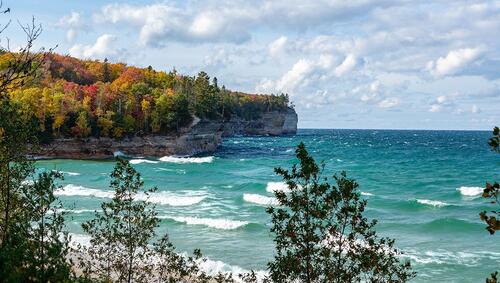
(321, 234)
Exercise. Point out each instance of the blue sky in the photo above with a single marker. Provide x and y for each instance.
(345, 64)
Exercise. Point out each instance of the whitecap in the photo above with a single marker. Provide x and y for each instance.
(224, 224)
(470, 191)
(277, 186)
(67, 173)
(366, 194)
(139, 161)
(178, 171)
(75, 190)
(184, 160)
(435, 203)
(163, 198)
(211, 267)
(260, 199)
(168, 198)
(75, 211)
(214, 267)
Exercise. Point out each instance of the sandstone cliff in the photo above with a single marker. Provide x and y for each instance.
(201, 136)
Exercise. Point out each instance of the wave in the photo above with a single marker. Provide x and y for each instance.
(184, 160)
(68, 173)
(260, 199)
(225, 224)
(75, 190)
(435, 203)
(163, 198)
(211, 267)
(75, 211)
(450, 225)
(139, 161)
(470, 191)
(366, 194)
(178, 171)
(277, 186)
(168, 198)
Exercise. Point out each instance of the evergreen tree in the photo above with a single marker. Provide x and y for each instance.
(321, 234)
(120, 233)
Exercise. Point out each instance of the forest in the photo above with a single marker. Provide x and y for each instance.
(69, 97)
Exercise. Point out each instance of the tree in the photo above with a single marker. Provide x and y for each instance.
(33, 246)
(121, 232)
(106, 76)
(48, 243)
(321, 234)
(492, 192)
(121, 235)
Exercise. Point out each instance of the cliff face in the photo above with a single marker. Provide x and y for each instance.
(201, 136)
(270, 123)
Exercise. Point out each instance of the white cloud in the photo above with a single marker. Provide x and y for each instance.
(474, 109)
(346, 66)
(278, 46)
(228, 21)
(435, 108)
(73, 23)
(454, 61)
(99, 50)
(389, 102)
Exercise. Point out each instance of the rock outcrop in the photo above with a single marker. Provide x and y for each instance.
(273, 123)
(200, 137)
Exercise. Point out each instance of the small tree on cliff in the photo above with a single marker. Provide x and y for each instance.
(321, 234)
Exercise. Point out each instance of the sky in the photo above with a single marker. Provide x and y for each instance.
(345, 64)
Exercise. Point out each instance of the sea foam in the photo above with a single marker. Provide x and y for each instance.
(366, 194)
(139, 161)
(224, 224)
(168, 198)
(184, 160)
(75, 190)
(277, 186)
(435, 203)
(67, 173)
(211, 267)
(260, 199)
(164, 198)
(470, 191)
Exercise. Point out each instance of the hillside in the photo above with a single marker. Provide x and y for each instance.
(92, 109)
(74, 98)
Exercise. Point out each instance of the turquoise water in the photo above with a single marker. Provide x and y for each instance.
(422, 186)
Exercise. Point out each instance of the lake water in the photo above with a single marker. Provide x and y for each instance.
(423, 187)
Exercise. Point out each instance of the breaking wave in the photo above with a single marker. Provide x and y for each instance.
(470, 191)
(163, 198)
(184, 160)
(75, 190)
(139, 161)
(68, 173)
(277, 186)
(260, 199)
(434, 203)
(225, 224)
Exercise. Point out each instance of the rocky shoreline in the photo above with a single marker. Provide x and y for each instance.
(202, 136)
